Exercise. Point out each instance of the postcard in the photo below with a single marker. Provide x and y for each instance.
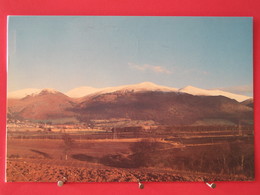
(130, 98)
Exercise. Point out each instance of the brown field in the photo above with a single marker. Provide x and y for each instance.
(186, 158)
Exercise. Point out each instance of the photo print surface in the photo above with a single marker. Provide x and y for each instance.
(127, 99)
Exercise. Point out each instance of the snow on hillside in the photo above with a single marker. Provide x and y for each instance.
(148, 86)
(46, 90)
(23, 93)
(81, 91)
(204, 92)
(145, 86)
(30, 91)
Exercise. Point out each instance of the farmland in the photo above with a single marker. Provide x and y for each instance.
(131, 154)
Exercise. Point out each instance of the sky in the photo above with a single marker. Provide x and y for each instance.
(65, 52)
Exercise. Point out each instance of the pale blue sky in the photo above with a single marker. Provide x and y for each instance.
(66, 52)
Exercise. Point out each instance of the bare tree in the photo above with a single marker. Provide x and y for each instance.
(68, 144)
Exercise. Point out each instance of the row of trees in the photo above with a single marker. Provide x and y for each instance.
(229, 158)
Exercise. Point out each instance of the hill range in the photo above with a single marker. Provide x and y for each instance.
(144, 101)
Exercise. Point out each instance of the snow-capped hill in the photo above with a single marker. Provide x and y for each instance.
(44, 92)
(195, 91)
(145, 86)
(149, 86)
(30, 92)
(47, 91)
(81, 91)
(204, 92)
(23, 93)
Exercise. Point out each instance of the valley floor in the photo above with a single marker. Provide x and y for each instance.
(126, 160)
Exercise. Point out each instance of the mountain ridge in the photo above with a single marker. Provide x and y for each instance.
(174, 107)
(84, 91)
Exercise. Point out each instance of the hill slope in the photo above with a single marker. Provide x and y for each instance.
(47, 104)
(144, 101)
(204, 92)
(163, 107)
